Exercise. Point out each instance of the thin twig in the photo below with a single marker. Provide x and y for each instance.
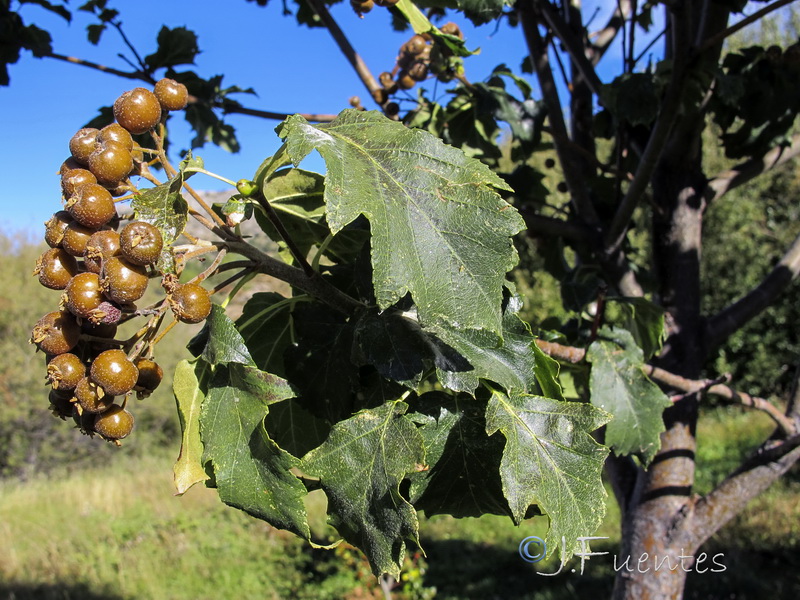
(93, 65)
(142, 65)
(346, 47)
(659, 136)
(538, 55)
(575, 355)
(725, 33)
(226, 108)
(273, 217)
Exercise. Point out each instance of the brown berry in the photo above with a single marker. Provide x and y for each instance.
(114, 372)
(56, 332)
(55, 268)
(65, 371)
(122, 281)
(138, 110)
(101, 246)
(190, 302)
(111, 163)
(141, 243)
(92, 206)
(91, 397)
(171, 94)
(83, 143)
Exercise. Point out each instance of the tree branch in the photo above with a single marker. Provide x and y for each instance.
(550, 226)
(93, 65)
(537, 50)
(732, 318)
(721, 390)
(228, 109)
(724, 182)
(659, 136)
(726, 33)
(574, 47)
(754, 476)
(572, 354)
(347, 49)
(605, 36)
(314, 284)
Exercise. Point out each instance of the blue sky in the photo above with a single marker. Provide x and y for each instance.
(292, 68)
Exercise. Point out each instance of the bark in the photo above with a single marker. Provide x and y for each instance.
(653, 528)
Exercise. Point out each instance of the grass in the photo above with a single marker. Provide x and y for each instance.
(117, 532)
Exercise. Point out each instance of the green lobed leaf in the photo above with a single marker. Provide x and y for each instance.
(463, 479)
(618, 385)
(645, 321)
(360, 467)
(224, 344)
(399, 349)
(164, 207)
(439, 230)
(176, 46)
(190, 385)
(266, 328)
(251, 472)
(551, 460)
(294, 428)
(511, 362)
(297, 197)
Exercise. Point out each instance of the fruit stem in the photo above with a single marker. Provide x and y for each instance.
(210, 174)
(278, 224)
(249, 276)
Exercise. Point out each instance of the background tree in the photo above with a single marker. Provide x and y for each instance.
(623, 234)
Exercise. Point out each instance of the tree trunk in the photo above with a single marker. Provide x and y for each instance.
(653, 540)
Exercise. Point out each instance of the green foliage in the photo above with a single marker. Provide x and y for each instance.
(439, 230)
(619, 386)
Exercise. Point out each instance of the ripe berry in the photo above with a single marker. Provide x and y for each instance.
(122, 281)
(388, 82)
(74, 178)
(83, 295)
(101, 246)
(138, 110)
(61, 403)
(65, 371)
(141, 243)
(190, 303)
(549, 163)
(92, 205)
(150, 376)
(392, 109)
(76, 236)
(55, 268)
(415, 45)
(452, 29)
(69, 164)
(362, 7)
(83, 420)
(82, 144)
(56, 332)
(91, 397)
(111, 163)
(418, 71)
(114, 424)
(171, 94)
(112, 371)
(405, 81)
(117, 134)
(55, 228)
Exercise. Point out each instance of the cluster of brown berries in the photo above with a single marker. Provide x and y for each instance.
(103, 270)
(419, 57)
